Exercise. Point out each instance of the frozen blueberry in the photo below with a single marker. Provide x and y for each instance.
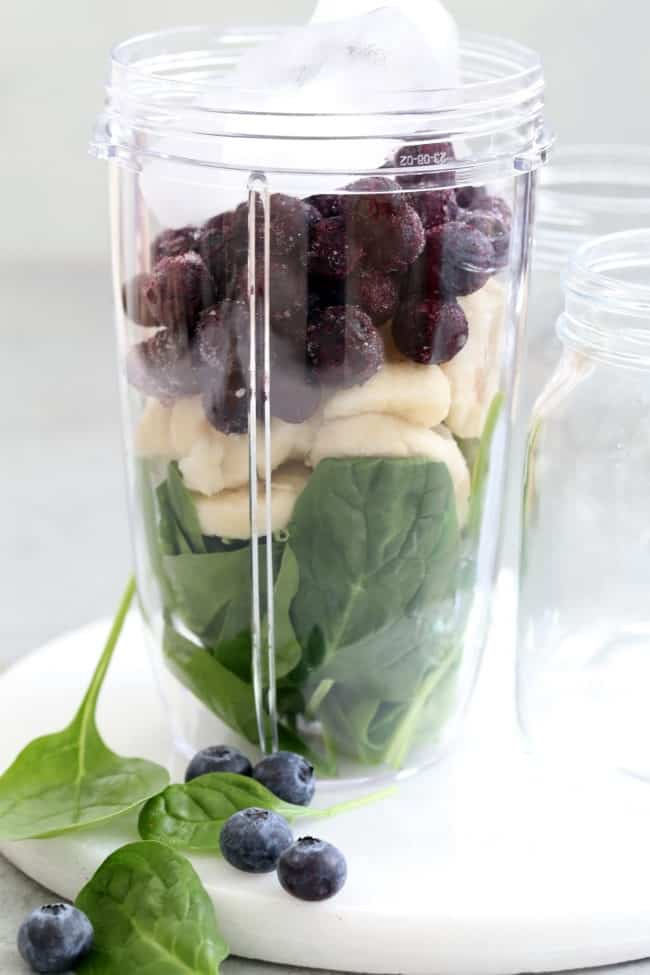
(375, 293)
(253, 840)
(288, 776)
(217, 246)
(287, 295)
(162, 367)
(492, 225)
(372, 199)
(434, 206)
(295, 391)
(171, 243)
(218, 758)
(134, 301)
(223, 348)
(468, 197)
(394, 242)
(55, 938)
(343, 346)
(179, 289)
(327, 204)
(333, 252)
(430, 331)
(458, 260)
(312, 869)
(290, 221)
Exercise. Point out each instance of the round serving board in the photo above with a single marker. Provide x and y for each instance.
(484, 865)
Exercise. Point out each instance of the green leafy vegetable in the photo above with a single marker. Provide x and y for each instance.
(191, 816)
(70, 779)
(481, 466)
(151, 914)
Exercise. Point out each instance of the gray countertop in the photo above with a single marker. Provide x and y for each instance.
(62, 494)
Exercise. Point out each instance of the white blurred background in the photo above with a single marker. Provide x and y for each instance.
(65, 551)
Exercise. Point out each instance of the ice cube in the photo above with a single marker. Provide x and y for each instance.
(294, 85)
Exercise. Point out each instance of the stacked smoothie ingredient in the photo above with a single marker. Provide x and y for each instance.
(386, 327)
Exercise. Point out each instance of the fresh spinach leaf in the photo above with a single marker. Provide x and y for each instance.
(191, 816)
(184, 509)
(211, 592)
(70, 779)
(150, 913)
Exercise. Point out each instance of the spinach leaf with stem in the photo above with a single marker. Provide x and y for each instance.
(150, 913)
(191, 816)
(69, 780)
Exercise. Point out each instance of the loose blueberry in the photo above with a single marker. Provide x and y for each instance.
(394, 242)
(162, 367)
(333, 252)
(494, 228)
(288, 776)
(430, 331)
(458, 260)
(179, 289)
(134, 301)
(343, 346)
(253, 840)
(312, 869)
(55, 938)
(171, 243)
(218, 758)
(375, 293)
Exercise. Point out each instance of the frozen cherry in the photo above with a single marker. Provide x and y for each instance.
(468, 197)
(171, 243)
(222, 343)
(395, 243)
(333, 252)
(343, 346)
(490, 224)
(458, 260)
(430, 331)
(375, 293)
(179, 289)
(159, 367)
(134, 301)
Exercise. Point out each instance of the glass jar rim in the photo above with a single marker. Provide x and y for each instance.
(157, 81)
(607, 292)
(584, 182)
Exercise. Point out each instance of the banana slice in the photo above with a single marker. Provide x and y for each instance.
(227, 514)
(153, 434)
(188, 424)
(377, 435)
(418, 394)
(473, 374)
(216, 462)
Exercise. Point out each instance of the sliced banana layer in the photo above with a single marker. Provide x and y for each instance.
(377, 435)
(216, 462)
(227, 514)
(188, 424)
(152, 436)
(473, 374)
(418, 394)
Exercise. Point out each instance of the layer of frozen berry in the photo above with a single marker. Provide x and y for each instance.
(175, 241)
(222, 346)
(219, 250)
(333, 252)
(179, 288)
(290, 222)
(159, 368)
(134, 301)
(430, 331)
(343, 346)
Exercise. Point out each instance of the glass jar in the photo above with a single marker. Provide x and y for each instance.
(584, 618)
(332, 302)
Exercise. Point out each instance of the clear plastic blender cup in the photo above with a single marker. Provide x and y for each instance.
(317, 358)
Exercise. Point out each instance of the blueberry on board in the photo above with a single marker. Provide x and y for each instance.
(218, 758)
(288, 776)
(253, 839)
(55, 938)
(312, 869)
